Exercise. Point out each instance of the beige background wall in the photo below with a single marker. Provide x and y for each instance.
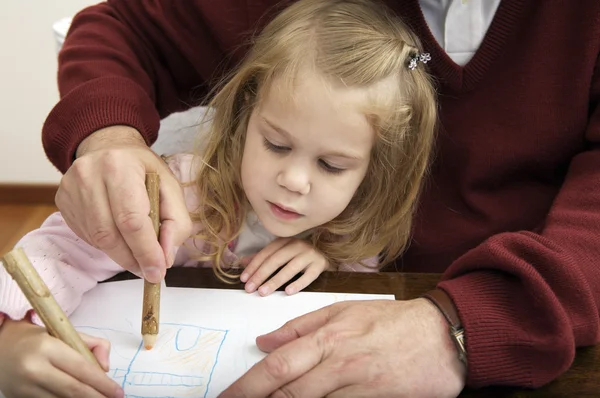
(28, 85)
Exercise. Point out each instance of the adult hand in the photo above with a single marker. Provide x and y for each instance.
(35, 364)
(103, 199)
(358, 349)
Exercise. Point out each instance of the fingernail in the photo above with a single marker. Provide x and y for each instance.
(290, 290)
(264, 290)
(250, 287)
(119, 393)
(152, 274)
(244, 277)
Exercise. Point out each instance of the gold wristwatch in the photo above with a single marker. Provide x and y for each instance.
(444, 303)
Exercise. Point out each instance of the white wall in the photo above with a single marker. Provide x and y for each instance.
(28, 89)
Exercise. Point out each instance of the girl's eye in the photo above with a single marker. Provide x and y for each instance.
(275, 148)
(329, 168)
(284, 149)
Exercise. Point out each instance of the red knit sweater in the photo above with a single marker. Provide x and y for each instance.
(511, 212)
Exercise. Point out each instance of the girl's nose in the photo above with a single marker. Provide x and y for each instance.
(295, 178)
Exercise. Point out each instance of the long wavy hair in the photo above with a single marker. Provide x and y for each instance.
(358, 43)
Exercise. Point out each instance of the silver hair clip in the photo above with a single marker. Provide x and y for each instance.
(418, 57)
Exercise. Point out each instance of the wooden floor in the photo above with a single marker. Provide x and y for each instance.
(17, 220)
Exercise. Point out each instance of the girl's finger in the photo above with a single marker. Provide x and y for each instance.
(311, 273)
(100, 348)
(244, 261)
(60, 384)
(31, 391)
(80, 374)
(261, 256)
(293, 268)
(272, 264)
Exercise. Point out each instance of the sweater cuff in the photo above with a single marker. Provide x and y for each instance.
(14, 304)
(96, 104)
(497, 355)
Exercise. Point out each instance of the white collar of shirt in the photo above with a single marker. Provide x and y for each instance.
(254, 236)
(459, 26)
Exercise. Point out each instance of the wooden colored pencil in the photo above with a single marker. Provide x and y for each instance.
(151, 303)
(45, 306)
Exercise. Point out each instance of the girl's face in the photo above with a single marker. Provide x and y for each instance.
(305, 157)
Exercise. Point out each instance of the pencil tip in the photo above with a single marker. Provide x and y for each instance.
(149, 340)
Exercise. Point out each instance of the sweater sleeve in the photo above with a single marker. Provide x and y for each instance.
(132, 62)
(69, 266)
(527, 300)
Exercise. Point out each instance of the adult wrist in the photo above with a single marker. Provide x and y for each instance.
(442, 301)
(109, 137)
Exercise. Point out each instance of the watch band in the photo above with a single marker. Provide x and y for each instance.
(446, 306)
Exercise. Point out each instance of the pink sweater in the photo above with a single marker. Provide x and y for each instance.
(70, 267)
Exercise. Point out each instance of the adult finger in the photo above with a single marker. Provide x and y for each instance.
(358, 391)
(83, 202)
(261, 257)
(103, 232)
(176, 225)
(296, 328)
(322, 380)
(277, 369)
(130, 208)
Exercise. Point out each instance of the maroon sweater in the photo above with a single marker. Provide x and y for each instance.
(511, 211)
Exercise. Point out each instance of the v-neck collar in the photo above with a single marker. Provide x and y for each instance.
(464, 78)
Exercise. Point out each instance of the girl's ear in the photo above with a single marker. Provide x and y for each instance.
(249, 89)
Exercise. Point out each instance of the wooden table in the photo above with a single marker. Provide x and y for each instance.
(582, 380)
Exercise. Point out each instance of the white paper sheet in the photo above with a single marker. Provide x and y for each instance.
(206, 339)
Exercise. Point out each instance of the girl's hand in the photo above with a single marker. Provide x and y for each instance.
(35, 364)
(297, 255)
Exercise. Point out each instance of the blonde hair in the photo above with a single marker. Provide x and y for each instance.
(358, 43)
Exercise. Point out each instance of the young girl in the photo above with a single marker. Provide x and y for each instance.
(317, 148)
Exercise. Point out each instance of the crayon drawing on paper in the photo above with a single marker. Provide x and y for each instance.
(181, 364)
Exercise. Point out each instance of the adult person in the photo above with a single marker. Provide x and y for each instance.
(510, 214)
